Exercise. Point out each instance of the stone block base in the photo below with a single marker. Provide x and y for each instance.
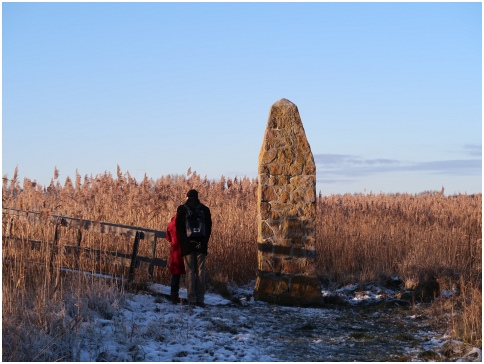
(288, 290)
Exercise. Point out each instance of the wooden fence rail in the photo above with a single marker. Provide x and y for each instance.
(136, 232)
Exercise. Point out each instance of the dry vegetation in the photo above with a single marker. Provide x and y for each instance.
(360, 238)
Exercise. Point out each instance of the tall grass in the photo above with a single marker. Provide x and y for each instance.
(364, 236)
(359, 238)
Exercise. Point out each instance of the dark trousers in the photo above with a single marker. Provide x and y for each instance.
(175, 283)
(195, 272)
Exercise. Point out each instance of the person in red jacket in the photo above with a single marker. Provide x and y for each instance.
(176, 263)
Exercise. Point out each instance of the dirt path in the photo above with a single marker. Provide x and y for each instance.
(361, 327)
(147, 327)
(335, 334)
(347, 335)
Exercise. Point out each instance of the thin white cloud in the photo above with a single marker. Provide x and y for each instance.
(339, 159)
(337, 168)
(474, 150)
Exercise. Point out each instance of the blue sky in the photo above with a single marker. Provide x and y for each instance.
(390, 94)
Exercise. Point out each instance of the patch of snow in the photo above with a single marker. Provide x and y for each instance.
(351, 287)
(474, 352)
(148, 327)
(447, 294)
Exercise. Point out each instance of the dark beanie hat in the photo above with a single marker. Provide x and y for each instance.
(192, 193)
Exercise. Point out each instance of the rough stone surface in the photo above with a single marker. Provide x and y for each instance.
(287, 212)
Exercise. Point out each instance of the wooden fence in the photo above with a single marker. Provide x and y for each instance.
(135, 232)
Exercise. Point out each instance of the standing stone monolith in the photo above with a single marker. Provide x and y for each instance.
(286, 212)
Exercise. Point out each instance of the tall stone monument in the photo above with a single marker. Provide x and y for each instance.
(287, 212)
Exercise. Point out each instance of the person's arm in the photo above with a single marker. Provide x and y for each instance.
(208, 223)
(168, 234)
(171, 230)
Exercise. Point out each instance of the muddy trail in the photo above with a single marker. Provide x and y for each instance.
(344, 334)
(362, 326)
(363, 330)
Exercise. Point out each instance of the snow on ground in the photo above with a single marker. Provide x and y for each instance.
(149, 328)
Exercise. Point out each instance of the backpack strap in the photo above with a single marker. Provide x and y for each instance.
(189, 210)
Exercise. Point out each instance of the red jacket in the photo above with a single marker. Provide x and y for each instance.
(176, 264)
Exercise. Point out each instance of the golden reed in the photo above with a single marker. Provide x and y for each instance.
(360, 238)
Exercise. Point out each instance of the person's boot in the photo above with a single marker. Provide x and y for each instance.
(175, 299)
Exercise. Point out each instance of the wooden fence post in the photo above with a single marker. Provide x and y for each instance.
(79, 237)
(54, 245)
(151, 268)
(77, 253)
(139, 235)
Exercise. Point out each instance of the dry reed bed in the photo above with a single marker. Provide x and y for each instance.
(360, 237)
(364, 236)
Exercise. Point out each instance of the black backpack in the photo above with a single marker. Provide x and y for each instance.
(195, 222)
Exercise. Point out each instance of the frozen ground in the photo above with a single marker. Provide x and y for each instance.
(365, 328)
